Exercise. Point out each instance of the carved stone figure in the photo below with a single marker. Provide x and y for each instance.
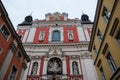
(54, 66)
(34, 68)
(75, 68)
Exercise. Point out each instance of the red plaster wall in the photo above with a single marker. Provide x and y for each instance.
(4, 45)
(74, 34)
(68, 65)
(41, 66)
(1, 21)
(61, 17)
(36, 38)
(89, 31)
(50, 18)
(18, 65)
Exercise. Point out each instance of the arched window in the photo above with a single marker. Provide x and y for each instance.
(75, 68)
(56, 35)
(34, 68)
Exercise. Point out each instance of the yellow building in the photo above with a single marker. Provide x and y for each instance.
(105, 40)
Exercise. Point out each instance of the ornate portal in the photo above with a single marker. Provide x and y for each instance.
(54, 66)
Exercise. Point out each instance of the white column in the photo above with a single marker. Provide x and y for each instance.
(25, 36)
(50, 34)
(78, 66)
(87, 34)
(90, 69)
(38, 67)
(22, 73)
(30, 68)
(26, 72)
(45, 67)
(81, 34)
(62, 36)
(71, 71)
(31, 35)
(64, 67)
(5, 65)
(84, 70)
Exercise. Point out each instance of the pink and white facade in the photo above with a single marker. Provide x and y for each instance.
(58, 48)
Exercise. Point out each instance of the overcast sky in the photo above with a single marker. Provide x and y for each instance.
(18, 9)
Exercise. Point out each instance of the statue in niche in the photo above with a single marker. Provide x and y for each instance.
(54, 66)
(75, 68)
(34, 68)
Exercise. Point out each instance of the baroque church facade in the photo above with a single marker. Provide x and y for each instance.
(57, 47)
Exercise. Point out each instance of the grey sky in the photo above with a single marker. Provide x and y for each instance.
(18, 9)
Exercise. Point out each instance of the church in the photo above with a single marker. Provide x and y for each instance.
(57, 47)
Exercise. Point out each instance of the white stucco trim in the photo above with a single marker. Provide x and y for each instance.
(87, 35)
(56, 28)
(25, 36)
(81, 34)
(5, 65)
(31, 35)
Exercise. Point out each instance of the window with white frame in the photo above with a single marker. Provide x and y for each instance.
(106, 14)
(41, 36)
(13, 73)
(111, 63)
(70, 35)
(102, 74)
(100, 36)
(56, 35)
(118, 36)
(95, 50)
(19, 55)
(5, 31)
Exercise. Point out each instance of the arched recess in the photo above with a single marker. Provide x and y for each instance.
(34, 68)
(75, 68)
(56, 36)
(54, 66)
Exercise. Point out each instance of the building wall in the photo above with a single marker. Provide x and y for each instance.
(32, 34)
(109, 32)
(10, 46)
(66, 51)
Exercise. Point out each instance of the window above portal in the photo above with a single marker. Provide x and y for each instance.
(56, 35)
(5, 32)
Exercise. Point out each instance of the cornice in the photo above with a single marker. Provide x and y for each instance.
(57, 45)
